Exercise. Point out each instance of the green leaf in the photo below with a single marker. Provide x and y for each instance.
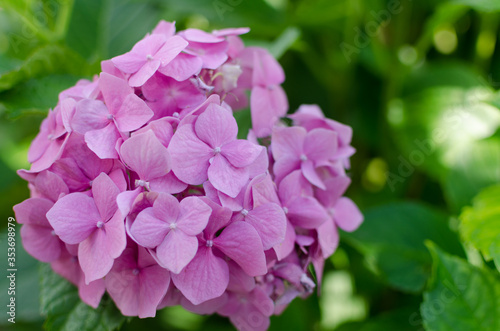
(112, 27)
(392, 240)
(256, 14)
(441, 116)
(35, 95)
(65, 311)
(460, 296)
(279, 46)
(480, 224)
(476, 167)
(50, 59)
(403, 319)
(244, 120)
(480, 5)
(27, 305)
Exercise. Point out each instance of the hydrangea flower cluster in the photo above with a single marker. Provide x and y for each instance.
(141, 189)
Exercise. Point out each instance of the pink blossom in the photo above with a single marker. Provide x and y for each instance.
(171, 227)
(136, 283)
(209, 150)
(148, 55)
(295, 148)
(137, 178)
(93, 223)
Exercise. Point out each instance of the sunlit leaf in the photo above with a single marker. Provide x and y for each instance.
(392, 241)
(460, 296)
(480, 224)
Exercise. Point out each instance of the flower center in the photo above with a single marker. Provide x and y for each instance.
(110, 117)
(50, 136)
(210, 243)
(269, 278)
(149, 57)
(173, 226)
(142, 183)
(303, 157)
(216, 150)
(176, 115)
(53, 233)
(244, 212)
(285, 210)
(135, 271)
(100, 224)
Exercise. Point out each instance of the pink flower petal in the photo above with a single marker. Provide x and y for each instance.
(193, 216)
(167, 184)
(328, 238)
(347, 215)
(309, 172)
(113, 90)
(288, 142)
(216, 126)
(200, 36)
(105, 192)
(294, 185)
(335, 188)
(40, 243)
(205, 278)
(129, 62)
(74, 217)
(189, 156)
(144, 73)
(267, 105)
(241, 242)
(270, 222)
(153, 285)
(50, 185)
(94, 257)
(133, 114)
(320, 145)
(182, 67)
(241, 153)
(90, 115)
(286, 247)
(166, 208)
(176, 250)
(226, 178)
(102, 142)
(116, 239)
(173, 46)
(306, 212)
(148, 230)
(266, 70)
(144, 154)
(91, 293)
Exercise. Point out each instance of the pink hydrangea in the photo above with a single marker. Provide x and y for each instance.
(141, 189)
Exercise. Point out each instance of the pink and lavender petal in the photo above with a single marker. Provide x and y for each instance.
(205, 278)
(347, 215)
(176, 250)
(189, 156)
(74, 217)
(193, 216)
(241, 242)
(148, 230)
(225, 177)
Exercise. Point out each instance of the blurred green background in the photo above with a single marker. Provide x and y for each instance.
(417, 81)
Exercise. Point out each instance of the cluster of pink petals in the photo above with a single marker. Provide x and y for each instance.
(140, 187)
